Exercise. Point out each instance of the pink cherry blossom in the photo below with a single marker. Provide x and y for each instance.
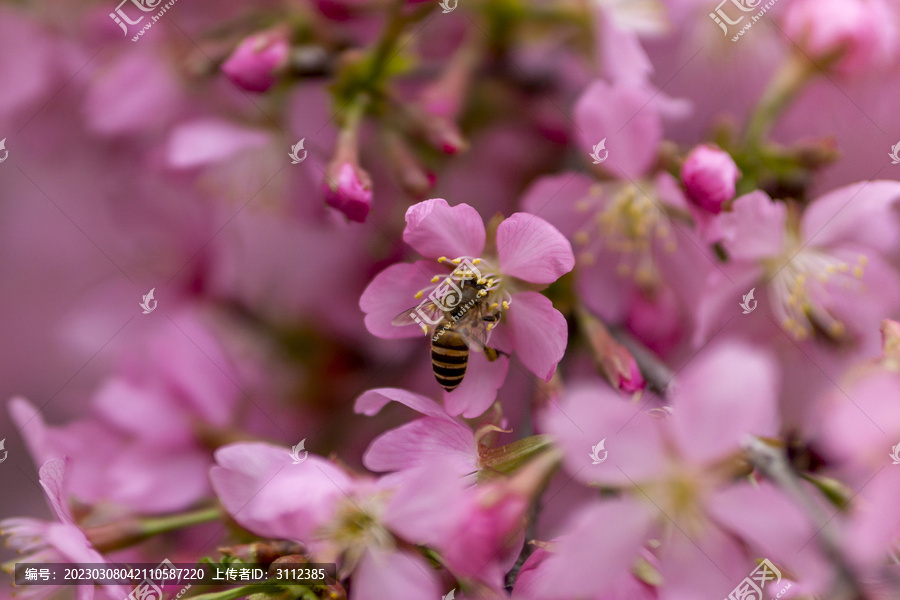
(333, 514)
(60, 541)
(818, 270)
(861, 33)
(528, 250)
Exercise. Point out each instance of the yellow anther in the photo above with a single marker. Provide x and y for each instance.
(582, 205)
(582, 237)
(505, 304)
(587, 258)
(481, 281)
(837, 329)
(857, 271)
(863, 259)
(482, 293)
(456, 261)
(435, 279)
(489, 326)
(419, 294)
(494, 306)
(476, 261)
(800, 280)
(843, 268)
(424, 328)
(441, 259)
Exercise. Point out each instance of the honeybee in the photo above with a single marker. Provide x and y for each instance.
(460, 322)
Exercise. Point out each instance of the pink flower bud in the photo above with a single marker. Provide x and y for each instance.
(349, 189)
(254, 62)
(709, 175)
(861, 32)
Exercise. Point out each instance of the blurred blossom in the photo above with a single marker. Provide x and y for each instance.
(337, 516)
(256, 61)
(819, 269)
(862, 34)
(149, 425)
(60, 541)
(709, 176)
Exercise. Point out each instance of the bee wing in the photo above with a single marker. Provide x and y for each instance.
(473, 329)
(428, 313)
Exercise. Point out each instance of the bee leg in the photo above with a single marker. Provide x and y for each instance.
(493, 354)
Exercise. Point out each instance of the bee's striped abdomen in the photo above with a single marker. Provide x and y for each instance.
(449, 357)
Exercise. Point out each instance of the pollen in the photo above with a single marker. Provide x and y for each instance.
(803, 290)
(632, 227)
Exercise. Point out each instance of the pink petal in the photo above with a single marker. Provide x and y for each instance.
(52, 476)
(369, 403)
(864, 213)
(435, 229)
(724, 288)
(426, 505)
(620, 54)
(394, 574)
(532, 249)
(602, 545)
(478, 389)
(263, 490)
(619, 114)
(208, 141)
(754, 229)
(138, 91)
(421, 442)
(554, 198)
(539, 333)
(605, 292)
(773, 525)
(588, 414)
(392, 292)
(727, 392)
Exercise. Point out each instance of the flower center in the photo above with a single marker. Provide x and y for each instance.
(355, 527)
(627, 224)
(804, 301)
(472, 282)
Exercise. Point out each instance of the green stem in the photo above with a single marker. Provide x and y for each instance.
(791, 77)
(130, 531)
(157, 525)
